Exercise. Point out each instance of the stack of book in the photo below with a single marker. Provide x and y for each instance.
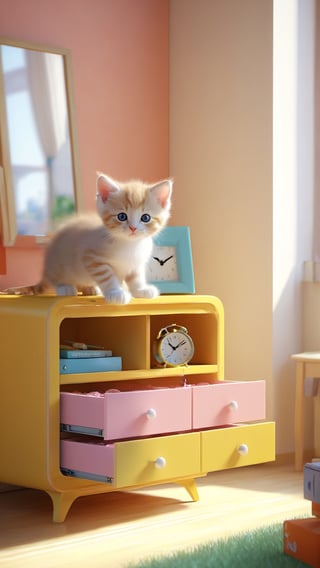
(81, 358)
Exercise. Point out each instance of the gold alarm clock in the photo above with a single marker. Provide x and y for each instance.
(173, 346)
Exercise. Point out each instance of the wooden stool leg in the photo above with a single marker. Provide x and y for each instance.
(299, 416)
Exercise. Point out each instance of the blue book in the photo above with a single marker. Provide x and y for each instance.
(84, 353)
(91, 365)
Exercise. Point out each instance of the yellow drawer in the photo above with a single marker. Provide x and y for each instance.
(157, 459)
(134, 462)
(237, 446)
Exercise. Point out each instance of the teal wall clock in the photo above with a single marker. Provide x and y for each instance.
(170, 267)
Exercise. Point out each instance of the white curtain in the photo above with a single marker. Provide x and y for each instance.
(48, 95)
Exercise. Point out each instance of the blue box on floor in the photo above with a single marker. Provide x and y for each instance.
(312, 481)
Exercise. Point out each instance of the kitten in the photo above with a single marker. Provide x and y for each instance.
(108, 250)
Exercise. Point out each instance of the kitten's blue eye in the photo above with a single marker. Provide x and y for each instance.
(122, 216)
(145, 218)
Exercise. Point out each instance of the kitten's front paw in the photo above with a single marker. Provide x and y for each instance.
(149, 291)
(117, 296)
(66, 290)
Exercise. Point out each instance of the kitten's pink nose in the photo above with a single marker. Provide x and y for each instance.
(132, 229)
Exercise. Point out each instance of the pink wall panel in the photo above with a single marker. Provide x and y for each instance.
(119, 52)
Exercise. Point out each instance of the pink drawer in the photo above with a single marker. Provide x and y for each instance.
(87, 460)
(132, 462)
(228, 403)
(116, 415)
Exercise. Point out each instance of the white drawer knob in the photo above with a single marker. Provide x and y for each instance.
(151, 413)
(234, 405)
(243, 450)
(160, 462)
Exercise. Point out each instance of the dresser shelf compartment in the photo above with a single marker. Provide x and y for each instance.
(199, 326)
(127, 337)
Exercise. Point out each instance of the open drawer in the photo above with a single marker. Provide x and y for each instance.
(115, 414)
(133, 462)
(228, 402)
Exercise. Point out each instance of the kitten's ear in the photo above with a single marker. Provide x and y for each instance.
(105, 186)
(162, 192)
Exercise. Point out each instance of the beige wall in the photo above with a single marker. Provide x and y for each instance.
(241, 153)
(221, 159)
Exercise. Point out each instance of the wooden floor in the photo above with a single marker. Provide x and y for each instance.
(114, 529)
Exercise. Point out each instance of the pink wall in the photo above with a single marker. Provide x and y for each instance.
(119, 52)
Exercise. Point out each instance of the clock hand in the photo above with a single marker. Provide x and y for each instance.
(166, 260)
(174, 347)
(162, 262)
(181, 343)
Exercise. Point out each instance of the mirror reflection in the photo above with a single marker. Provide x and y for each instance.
(39, 141)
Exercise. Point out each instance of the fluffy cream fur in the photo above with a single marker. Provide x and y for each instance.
(109, 250)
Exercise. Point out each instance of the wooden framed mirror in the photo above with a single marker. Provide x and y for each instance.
(39, 164)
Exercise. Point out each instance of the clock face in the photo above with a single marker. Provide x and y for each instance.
(176, 348)
(162, 265)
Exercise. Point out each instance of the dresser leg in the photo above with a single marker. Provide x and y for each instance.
(190, 486)
(61, 504)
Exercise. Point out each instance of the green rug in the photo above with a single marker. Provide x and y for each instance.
(261, 548)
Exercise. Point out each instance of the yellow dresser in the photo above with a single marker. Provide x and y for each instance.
(73, 434)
